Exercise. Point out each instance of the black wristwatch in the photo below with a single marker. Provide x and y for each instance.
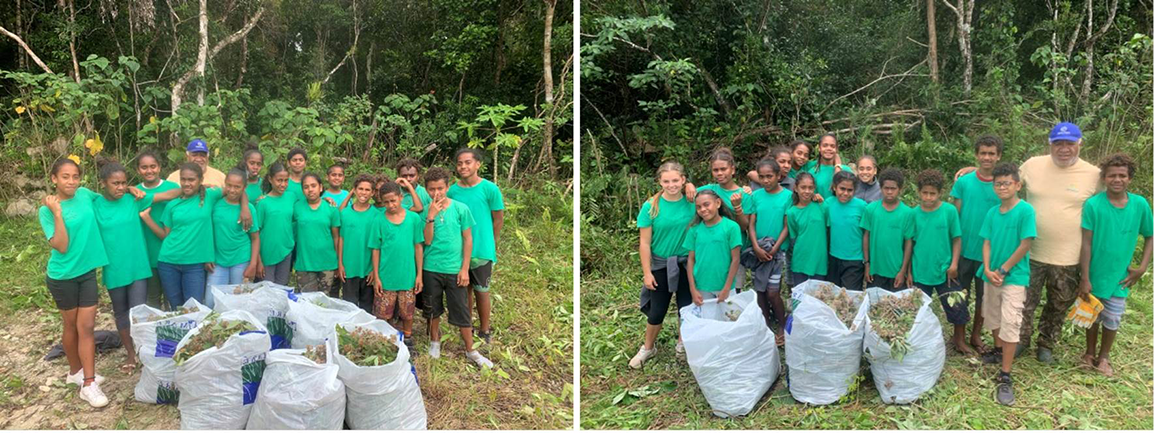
(1001, 271)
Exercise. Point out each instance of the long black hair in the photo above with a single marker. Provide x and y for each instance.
(799, 178)
(722, 209)
(243, 164)
(108, 167)
(193, 167)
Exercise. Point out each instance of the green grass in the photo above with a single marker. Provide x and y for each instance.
(530, 386)
(664, 395)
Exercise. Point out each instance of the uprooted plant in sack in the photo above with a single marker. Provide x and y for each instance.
(367, 348)
(839, 301)
(157, 317)
(212, 332)
(244, 288)
(892, 317)
(315, 353)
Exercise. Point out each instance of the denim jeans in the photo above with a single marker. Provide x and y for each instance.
(223, 275)
(182, 282)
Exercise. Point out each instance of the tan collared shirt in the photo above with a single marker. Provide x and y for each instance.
(1057, 195)
(212, 177)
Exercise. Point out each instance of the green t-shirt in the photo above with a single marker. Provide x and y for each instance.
(823, 179)
(888, 232)
(977, 198)
(295, 189)
(397, 243)
(338, 198)
(845, 227)
(443, 254)
(151, 242)
(276, 235)
(423, 194)
(770, 210)
(190, 239)
(123, 237)
(482, 199)
(85, 248)
(233, 244)
(712, 247)
(253, 190)
(934, 234)
(356, 228)
(316, 250)
(1112, 248)
(1005, 231)
(745, 201)
(669, 226)
(807, 229)
(793, 172)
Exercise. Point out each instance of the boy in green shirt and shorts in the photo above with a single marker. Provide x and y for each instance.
(1007, 233)
(1111, 220)
(887, 226)
(448, 231)
(483, 198)
(973, 196)
(937, 248)
(397, 239)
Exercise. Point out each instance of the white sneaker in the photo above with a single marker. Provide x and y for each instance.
(435, 349)
(480, 359)
(93, 395)
(78, 378)
(642, 356)
(680, 348)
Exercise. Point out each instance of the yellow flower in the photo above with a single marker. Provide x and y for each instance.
(74, 158)
(20, 109)
(94, 145)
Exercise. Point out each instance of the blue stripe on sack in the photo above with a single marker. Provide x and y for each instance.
(789, 324)
(278, 342)
(165, 348)
(250, 390)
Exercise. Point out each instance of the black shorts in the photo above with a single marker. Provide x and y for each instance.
(798, 278)
(956, 312)
(480, 276)
(884, 283)
(967, 275)
(441, 289)
(846, 273)
(79, 292)
(655, 303)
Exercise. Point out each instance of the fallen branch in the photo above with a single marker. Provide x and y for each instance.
(907, 73)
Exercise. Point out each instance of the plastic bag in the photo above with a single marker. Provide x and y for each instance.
(732, 353)
(313, 315)
(920, 367)
(823, 355)
(268, 302)
(384, 397)
(155, 343)
(296, 393)
(219, 385)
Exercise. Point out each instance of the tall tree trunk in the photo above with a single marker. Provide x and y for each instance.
(964, 11)
(932, 31)
(369, 68)
(547, 63)
(204, 55)
(21, 56)
(71, 36)
(1091, 39)
(243, 62)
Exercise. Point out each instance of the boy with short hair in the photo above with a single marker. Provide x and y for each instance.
(1007, 233)
(974, 196)
(937, 247)
(397, 239)
(449, 244)
(1111, 220)
(416, 198)
(887, 226)
(335, 191)
(483, 198)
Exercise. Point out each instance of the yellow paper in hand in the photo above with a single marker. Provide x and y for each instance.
(1084, 313)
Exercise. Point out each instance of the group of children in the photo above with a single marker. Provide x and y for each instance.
(388, 245)
(802, 219)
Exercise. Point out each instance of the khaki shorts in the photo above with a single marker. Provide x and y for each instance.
(1002, 310)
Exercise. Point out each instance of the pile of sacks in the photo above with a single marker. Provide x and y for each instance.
(259, 379)
(824, 354)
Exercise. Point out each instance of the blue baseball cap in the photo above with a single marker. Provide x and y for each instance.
(197, 145)
(1065, 131)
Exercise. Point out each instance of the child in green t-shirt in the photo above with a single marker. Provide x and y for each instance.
(1111, 220)
(937, 247)
(845, 212)
(973, 196)
(317, 226)
(827, 165)
(397, 241)
(408, 178)
(723, 168)
(335, 189)
(807, 222)
(767, 223)
(148, 168)
(354, 255)
(237, 251)
(887, 226)
(714, 244)
(1007, 233)
(484, 200)
(448, 248)
(275, 212)
(252, 161)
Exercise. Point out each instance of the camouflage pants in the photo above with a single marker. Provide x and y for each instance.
(1060, 284)
(322, 281)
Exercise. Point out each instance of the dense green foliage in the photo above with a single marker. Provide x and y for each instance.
(675, 79)
(369, 81)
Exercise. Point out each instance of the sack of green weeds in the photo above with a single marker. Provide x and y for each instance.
(312, 316)
(381, 388)
(219, 366)
(300, 390)
(823, 341)
(903, 343)
(156, 334)
(268, 302)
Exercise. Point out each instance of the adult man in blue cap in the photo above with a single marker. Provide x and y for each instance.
(1057, 185)
(197, 152)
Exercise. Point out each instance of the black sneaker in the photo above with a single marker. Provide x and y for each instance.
(409, 343)
(488, 337)
(992, 357)
(1045, 356)
(1004, 394)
